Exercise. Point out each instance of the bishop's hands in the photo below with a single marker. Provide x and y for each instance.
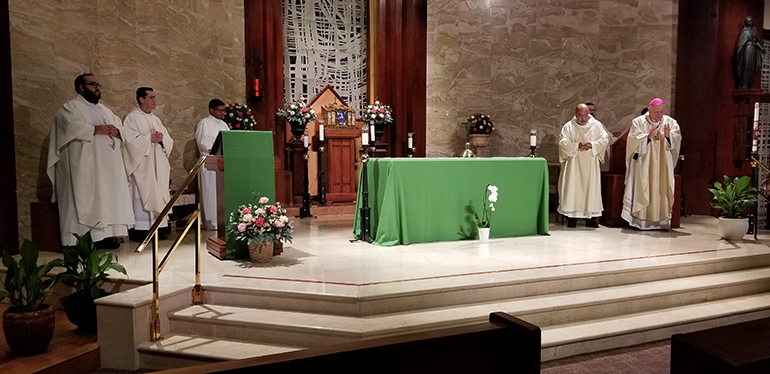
(653, 134)
(584, 146)
(156, 137)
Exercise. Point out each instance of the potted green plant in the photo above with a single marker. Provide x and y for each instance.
(733, 199)
(28, 324)
(86, 271)
(484, 223)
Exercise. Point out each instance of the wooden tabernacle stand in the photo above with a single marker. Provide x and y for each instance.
(613, 186)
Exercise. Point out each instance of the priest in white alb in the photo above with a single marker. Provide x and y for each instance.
(582, 143)
(146, 159)
(85, 164)
(205, 134)
(652, 151)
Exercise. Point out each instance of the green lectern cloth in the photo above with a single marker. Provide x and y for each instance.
(428, 200)
(249, 169)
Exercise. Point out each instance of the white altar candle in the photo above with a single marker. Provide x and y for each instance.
(306, 139)
(533, 138)
(364, 138)
(321, 132)
(371, 132)
(755, 130)
(410, 140)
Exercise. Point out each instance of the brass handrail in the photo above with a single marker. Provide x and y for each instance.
(197, 292)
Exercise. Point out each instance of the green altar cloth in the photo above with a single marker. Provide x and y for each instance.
(249, 168)
(427, 200)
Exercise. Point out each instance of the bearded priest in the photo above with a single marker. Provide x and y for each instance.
(146, 160)
(582, 146)
(652, 151)
(85, 164)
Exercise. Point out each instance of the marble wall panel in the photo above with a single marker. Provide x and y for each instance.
(545, 57)
(188, 51)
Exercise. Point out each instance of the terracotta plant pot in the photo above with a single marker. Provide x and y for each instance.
(479, 142)
(29, 333)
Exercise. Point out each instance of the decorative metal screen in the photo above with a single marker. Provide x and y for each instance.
(763, 136)
(324, 43)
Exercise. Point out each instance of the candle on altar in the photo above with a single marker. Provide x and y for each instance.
(371, 132)
(754, 140)
(306, 139)
(364, 137)
(321, 132)
(410, 140)
(533, 138)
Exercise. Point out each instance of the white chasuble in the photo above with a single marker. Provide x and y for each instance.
(148, 167)
(649, 195)
(205, 134)
(580, 193)
(87, 172)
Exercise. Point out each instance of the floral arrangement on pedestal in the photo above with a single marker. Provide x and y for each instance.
(480, 124)
(262, 226)
(379, 115)
(238, 117)
(298, 114)
(484, 222)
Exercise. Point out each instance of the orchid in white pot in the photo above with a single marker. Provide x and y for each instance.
(485, 221)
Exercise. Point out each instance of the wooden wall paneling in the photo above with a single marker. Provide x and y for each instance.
(398, 68)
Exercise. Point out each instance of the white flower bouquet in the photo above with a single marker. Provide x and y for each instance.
(297, 112)
(378, 114)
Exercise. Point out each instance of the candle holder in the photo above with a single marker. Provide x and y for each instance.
(754, 212)
(410, 152)
(321, 173)
(532, 153)
(365, 233)
(304, 211)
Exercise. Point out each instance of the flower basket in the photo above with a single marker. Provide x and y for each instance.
(261, 225)
(480, 124)
(238, 117)
(261, 253)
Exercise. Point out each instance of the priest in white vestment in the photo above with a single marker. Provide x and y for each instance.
(205, 134)
(85, 164)
(147, 165)
(582, 143)
(652, 151)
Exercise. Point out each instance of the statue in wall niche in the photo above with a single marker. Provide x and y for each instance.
(748, 56)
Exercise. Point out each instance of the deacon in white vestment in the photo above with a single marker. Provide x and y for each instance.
(205, 134)
(652, 151)
(146, 160)
(582, 143)
(85, 165)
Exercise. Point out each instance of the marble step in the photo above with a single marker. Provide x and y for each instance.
(438, 293)
(313, 329)
(180, 350)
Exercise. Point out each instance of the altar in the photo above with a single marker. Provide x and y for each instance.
(432, 199)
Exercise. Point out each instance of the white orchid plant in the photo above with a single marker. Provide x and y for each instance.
(490, 196)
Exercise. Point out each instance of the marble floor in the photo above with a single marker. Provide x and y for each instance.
(323, 260)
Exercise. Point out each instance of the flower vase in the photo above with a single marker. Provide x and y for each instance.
(479, 142)
(297, 129)
(483, 234)
(261, 253)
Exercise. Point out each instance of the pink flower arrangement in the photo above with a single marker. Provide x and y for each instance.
(378, 114)
(297, 111)
(239, 117)
(480, 124)
(260, 222)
